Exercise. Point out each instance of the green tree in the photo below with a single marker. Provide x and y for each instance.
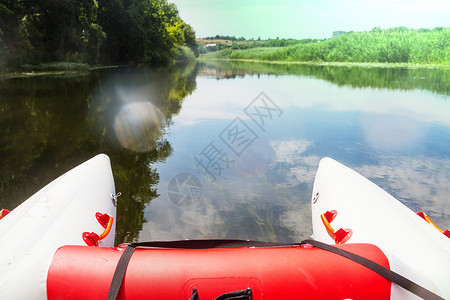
(92, 31)
(14, 43)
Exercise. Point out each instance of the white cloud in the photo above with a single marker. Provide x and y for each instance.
(290, 156)
(290, 151)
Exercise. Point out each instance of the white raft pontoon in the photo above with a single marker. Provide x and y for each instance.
(348, 208)
(78, 208)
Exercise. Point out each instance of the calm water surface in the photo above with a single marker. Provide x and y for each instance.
(230, 150)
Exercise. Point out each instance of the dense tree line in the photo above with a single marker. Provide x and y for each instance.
(273, 43)
(90, 31)
(395, 45)
(225, 37)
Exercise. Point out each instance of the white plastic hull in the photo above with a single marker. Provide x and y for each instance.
(56, 215)
(416, 249)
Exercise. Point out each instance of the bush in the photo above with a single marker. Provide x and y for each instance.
(185, 54)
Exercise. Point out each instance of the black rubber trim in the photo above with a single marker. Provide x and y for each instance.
(237, 295)
(234, 295)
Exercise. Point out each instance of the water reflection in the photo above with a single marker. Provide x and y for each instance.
(391, 125)
(51, 124)
(138, 126)
(389, 133)
(397, 78)
(394, 136)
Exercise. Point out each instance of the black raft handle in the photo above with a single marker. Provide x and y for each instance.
(234, 295)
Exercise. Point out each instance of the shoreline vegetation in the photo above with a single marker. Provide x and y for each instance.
(54, 38)
(53, 69)
(76, 35)
(185, 55)
(399, 46)
(206, 58)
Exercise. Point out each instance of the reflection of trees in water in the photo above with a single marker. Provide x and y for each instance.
(51, 124)
(136, 180)
(432, 79)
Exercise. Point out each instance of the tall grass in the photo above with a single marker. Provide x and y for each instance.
(396, 45)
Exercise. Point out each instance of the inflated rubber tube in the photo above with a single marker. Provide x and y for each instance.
(301, 272)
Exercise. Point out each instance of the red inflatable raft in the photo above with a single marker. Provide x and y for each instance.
(278, 272)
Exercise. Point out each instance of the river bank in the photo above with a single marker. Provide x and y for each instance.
(184, 56)
(399, 45)
(206, 58)
(54, 69)
(85, 68)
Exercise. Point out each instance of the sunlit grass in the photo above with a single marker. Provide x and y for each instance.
(397, 45)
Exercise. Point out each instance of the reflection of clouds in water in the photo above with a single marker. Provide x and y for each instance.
(276, 207)
(391, 132)
(232, 208)
(289, 152)
(169, 222)
(229, 209)
(425, 180)
(230, 97)
(258, 208)
(192, 116)
(290, 156)
(261, 207)
(298, 220)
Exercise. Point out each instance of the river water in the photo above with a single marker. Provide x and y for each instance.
(229, 149)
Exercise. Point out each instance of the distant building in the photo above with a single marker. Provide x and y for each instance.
(211, 47)
(338, 33)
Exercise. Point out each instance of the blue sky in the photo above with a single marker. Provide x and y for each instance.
(308, 19)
